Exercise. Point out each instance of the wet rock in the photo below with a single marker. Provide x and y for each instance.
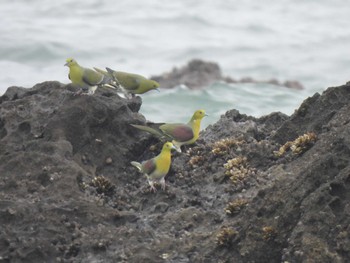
(199, 74)
(196, 74)
(68, 192)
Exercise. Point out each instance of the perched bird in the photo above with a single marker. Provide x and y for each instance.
(157, 168)
(85, 77)
(131, 83)
(179, 133)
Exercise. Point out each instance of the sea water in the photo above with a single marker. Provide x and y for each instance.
(303, 40)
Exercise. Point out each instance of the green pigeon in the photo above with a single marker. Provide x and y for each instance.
(130, 82)
(179, 133)
(85, 78)
(156, 168)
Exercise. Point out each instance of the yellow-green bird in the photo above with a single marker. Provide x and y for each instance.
(179, 133)
(130, 82)
(85, 77)
(158, 167)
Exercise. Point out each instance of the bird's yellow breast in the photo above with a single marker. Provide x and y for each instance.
(75, 74)
(196, 124)
(163, 162)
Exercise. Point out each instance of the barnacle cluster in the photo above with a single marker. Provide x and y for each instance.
(194, 151)
(235, 206)
(238, 169)
(222, 146)
(269, 232)
(299, 145)
(197, 156)
(196, 160)
(153, 148)
(102, 185)
(226, 236)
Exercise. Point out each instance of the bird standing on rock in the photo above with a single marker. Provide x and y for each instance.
(131, 83)
(157, 168)
(85, 77)
(179, 133)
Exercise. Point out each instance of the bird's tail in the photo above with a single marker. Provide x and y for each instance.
(108, 79)
(114, 76)
(109, 70)
(137, 165)
(148, 129)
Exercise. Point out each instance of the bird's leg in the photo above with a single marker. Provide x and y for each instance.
(153, 189)
(92, 90)
(128, 95)
(162, 183)
(79, 92)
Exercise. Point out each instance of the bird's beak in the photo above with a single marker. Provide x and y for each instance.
(206, 115)
(66, 64)
(157, 89)
(178, 149)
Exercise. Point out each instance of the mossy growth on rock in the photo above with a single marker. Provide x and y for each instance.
(226, 236)
(196, 160)
(235, 206)
(238, 170)
(269, 233)
(102, 185)
(198, 156)
(222, 146)
(299, 145)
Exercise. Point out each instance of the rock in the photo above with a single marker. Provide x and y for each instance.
(292, 84)
(199, 74)
(292, 207)
(196, 74)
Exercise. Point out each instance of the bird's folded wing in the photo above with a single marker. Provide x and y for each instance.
(128, 81)
(149, 166)
(178, 131)
(92, 77)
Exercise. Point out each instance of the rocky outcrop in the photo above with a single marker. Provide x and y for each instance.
(68, 193)
(199, 74)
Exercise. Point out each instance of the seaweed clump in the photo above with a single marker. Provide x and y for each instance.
(299, 145)
(226, 236)
(197, 156)
(222, 146)
(269, 233)
(236, 206)
(196, 160)
(102, 185)
(238, 170)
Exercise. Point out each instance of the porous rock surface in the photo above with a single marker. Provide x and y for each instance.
(69, 194)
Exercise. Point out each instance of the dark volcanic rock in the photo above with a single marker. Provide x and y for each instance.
(52, 146)
(196, 74)
(199, 74)
(68, 193)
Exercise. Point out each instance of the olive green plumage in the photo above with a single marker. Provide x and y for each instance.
(85, 78)
(179, 133)
(130, 82)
